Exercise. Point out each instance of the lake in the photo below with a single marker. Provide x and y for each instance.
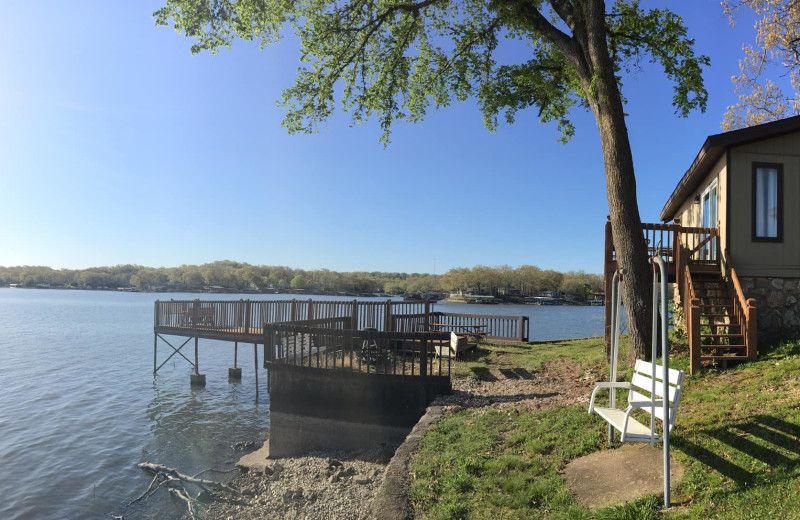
(79, 405)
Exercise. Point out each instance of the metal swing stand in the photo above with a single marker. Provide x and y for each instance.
(631, 430)
(662, 270)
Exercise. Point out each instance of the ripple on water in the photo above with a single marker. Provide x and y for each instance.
(80, 406)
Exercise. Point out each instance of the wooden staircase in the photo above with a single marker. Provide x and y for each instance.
(722, 339)
(721, 322)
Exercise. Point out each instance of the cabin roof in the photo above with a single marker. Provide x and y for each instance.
(713, 148)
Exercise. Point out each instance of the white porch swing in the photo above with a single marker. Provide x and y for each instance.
(648, 386)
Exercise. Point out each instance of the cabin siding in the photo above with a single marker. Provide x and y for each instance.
(691, 214)
(765, 259)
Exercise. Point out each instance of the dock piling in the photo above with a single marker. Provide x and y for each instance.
(255, 355)
(235, 372)
(197, 379)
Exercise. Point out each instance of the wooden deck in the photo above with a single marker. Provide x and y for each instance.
(244, 320)
(251, 321)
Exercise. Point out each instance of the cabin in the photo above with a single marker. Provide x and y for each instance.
(730, 232)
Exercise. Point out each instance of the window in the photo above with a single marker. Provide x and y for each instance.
(767, 202)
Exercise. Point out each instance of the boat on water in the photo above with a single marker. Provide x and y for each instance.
(542, 300)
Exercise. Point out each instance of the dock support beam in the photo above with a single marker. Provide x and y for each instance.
(155, 353)
(235, 372)
(197, 379)
(255, 355)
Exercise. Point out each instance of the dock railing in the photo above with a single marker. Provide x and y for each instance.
(336, 347)
(244, 320)
(516, 328)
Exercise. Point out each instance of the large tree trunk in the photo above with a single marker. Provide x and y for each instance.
(587, 52)
(606, 103)
(627, 229)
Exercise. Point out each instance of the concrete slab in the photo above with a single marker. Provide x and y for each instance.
(615, 476)
(255, 462)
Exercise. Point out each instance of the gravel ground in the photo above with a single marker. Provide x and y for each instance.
(342, 485)
(559, 383)
(336, 485)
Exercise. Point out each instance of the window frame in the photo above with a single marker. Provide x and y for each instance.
(778, 167)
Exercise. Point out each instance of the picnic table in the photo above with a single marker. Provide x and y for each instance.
(197, 316)
(465, 329)
(459, 340)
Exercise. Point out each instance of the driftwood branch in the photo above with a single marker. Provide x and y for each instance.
(174, 481)
(172, 472)
(183, 495)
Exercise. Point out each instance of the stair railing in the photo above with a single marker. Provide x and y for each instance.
(744, 308)
(691, 309)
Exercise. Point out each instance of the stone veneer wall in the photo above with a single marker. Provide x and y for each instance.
(778, 301)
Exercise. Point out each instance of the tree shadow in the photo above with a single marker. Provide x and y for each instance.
(765, 438)
(474, 354)
(484, 374)
(516, 373)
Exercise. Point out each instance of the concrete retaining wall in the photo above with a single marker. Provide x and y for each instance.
(313, 409)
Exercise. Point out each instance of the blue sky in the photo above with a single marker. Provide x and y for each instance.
(119, 146)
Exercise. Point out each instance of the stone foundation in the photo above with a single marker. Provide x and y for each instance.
(778, 301)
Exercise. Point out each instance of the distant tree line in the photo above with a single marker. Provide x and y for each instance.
(524, 280)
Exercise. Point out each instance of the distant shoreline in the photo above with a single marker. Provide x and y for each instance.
(202, 291)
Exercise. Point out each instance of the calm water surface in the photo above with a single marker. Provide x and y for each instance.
(79, 405)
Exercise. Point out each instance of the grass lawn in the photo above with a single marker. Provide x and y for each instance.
(737, 433)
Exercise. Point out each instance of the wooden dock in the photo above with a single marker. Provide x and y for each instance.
(245, 321)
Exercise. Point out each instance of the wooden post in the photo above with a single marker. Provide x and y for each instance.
(235, 372)
(675, 234)
(522, 328)
(693, 321)
(310, 309)
(387, 316)
(423, 357)
(247, 315)
(355, 314)
(195, 311)
(269, 344)
(197, 379)
(255, 355)
(294, 309)
(752, 329)
(427, 315)
(155, 353)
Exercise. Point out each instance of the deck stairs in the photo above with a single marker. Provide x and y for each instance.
(722, 339)
(721, 321)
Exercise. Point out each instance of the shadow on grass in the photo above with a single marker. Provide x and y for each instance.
(779, 350)
(767, 439)
(474, 354)
(484, 374)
